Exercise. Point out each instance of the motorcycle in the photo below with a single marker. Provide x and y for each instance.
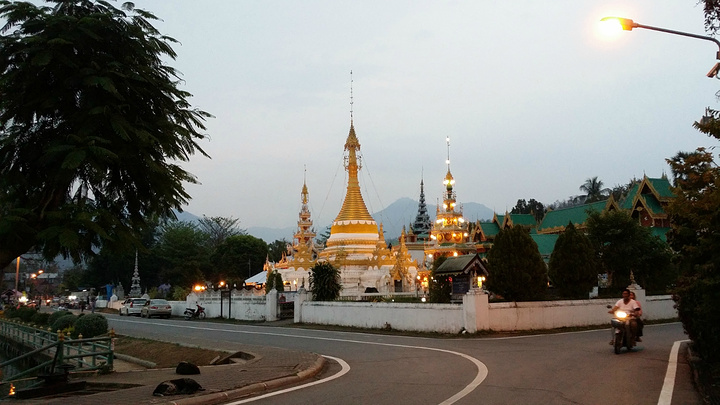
(198, 313)
(622, 335)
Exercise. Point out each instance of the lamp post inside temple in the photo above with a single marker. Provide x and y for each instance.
(627, 24)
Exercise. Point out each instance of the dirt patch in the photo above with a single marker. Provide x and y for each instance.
(164, 354)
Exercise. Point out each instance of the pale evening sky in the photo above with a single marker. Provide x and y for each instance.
(533, 98)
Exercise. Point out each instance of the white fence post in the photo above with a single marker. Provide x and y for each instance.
(300, 297)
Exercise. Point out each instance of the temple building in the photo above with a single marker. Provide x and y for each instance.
(356, 245)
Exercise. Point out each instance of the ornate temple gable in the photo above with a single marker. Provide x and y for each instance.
(422, 224)
(659, 188)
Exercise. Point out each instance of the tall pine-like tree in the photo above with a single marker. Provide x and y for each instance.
(517, 271)
(573, 267)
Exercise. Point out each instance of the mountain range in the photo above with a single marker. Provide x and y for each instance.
(399, 213)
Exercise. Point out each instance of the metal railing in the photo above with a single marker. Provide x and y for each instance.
(62, 353)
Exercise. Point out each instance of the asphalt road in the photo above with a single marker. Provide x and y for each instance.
(568, 368)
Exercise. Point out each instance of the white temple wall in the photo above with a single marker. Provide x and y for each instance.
(475, 314)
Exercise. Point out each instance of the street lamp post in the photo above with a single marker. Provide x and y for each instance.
(627, 25)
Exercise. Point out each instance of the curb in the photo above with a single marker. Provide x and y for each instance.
(135, 360)
(222, 397)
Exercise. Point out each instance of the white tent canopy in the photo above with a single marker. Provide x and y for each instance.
(259, 278)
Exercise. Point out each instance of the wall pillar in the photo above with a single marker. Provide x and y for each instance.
(271, 306)
(476, 311)
(301, 296)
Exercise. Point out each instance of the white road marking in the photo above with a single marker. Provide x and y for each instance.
(669, 384)
(482, 370)
(345, 369)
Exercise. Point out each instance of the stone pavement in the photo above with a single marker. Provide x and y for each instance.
(254, 370)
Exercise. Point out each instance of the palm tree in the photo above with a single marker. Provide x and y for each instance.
(594, 190)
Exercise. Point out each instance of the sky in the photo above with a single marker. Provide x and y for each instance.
(534, 99)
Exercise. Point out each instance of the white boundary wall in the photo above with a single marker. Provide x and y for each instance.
(445, 318)
(473, 315)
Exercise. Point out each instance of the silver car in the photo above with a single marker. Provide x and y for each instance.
(156, 307)
(132, 306)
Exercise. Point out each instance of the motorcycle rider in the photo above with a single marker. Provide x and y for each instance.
(630, 306)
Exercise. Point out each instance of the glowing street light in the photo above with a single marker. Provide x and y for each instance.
(626, 24)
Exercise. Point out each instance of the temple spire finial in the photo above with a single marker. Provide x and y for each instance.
(351, 97)
(447, 140)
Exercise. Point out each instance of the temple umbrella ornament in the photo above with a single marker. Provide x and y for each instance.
(626, 24)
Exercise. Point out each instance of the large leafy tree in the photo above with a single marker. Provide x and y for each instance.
(572, 268)
(92, 127)
(529, 207)
(695, 236)
(622, 246)
(220, 228)
(325, 282)
(517, 271)
(181, 254)
(276, 250)
(239, 257)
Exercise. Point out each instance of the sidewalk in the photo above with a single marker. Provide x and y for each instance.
(261, 369)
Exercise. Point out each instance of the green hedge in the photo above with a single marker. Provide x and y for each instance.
(55, 316)
(90, 325)
(64, 322)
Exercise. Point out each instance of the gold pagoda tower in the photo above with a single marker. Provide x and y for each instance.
(449, 234)
(354, 233)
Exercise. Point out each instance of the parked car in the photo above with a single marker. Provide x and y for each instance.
(156, 307)
(132, 306)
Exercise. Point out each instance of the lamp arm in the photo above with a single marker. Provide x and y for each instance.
(685, 34)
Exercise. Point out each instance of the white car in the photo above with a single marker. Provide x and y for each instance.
(132, 306)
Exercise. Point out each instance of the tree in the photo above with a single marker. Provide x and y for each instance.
(323, 237)
(182, 254)
(622, 245)
(92, 125)
(239, 257)
(530, 207)
(219, 228)
(440, 285)
(594, 190)
(276, 250)
(695, 219)
(517, 271)
(325, 283)
(572, 268)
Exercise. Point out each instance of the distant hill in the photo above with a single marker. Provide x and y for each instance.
(270, 235)
(403, 212)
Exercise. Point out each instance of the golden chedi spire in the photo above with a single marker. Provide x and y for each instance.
(354, 229)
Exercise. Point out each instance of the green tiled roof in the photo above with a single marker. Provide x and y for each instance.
(653, 204)
(628, 201)
(489, 228)
(500, 219)
(576, 215)
(523, 219)
(546, 244)
(662, 186)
